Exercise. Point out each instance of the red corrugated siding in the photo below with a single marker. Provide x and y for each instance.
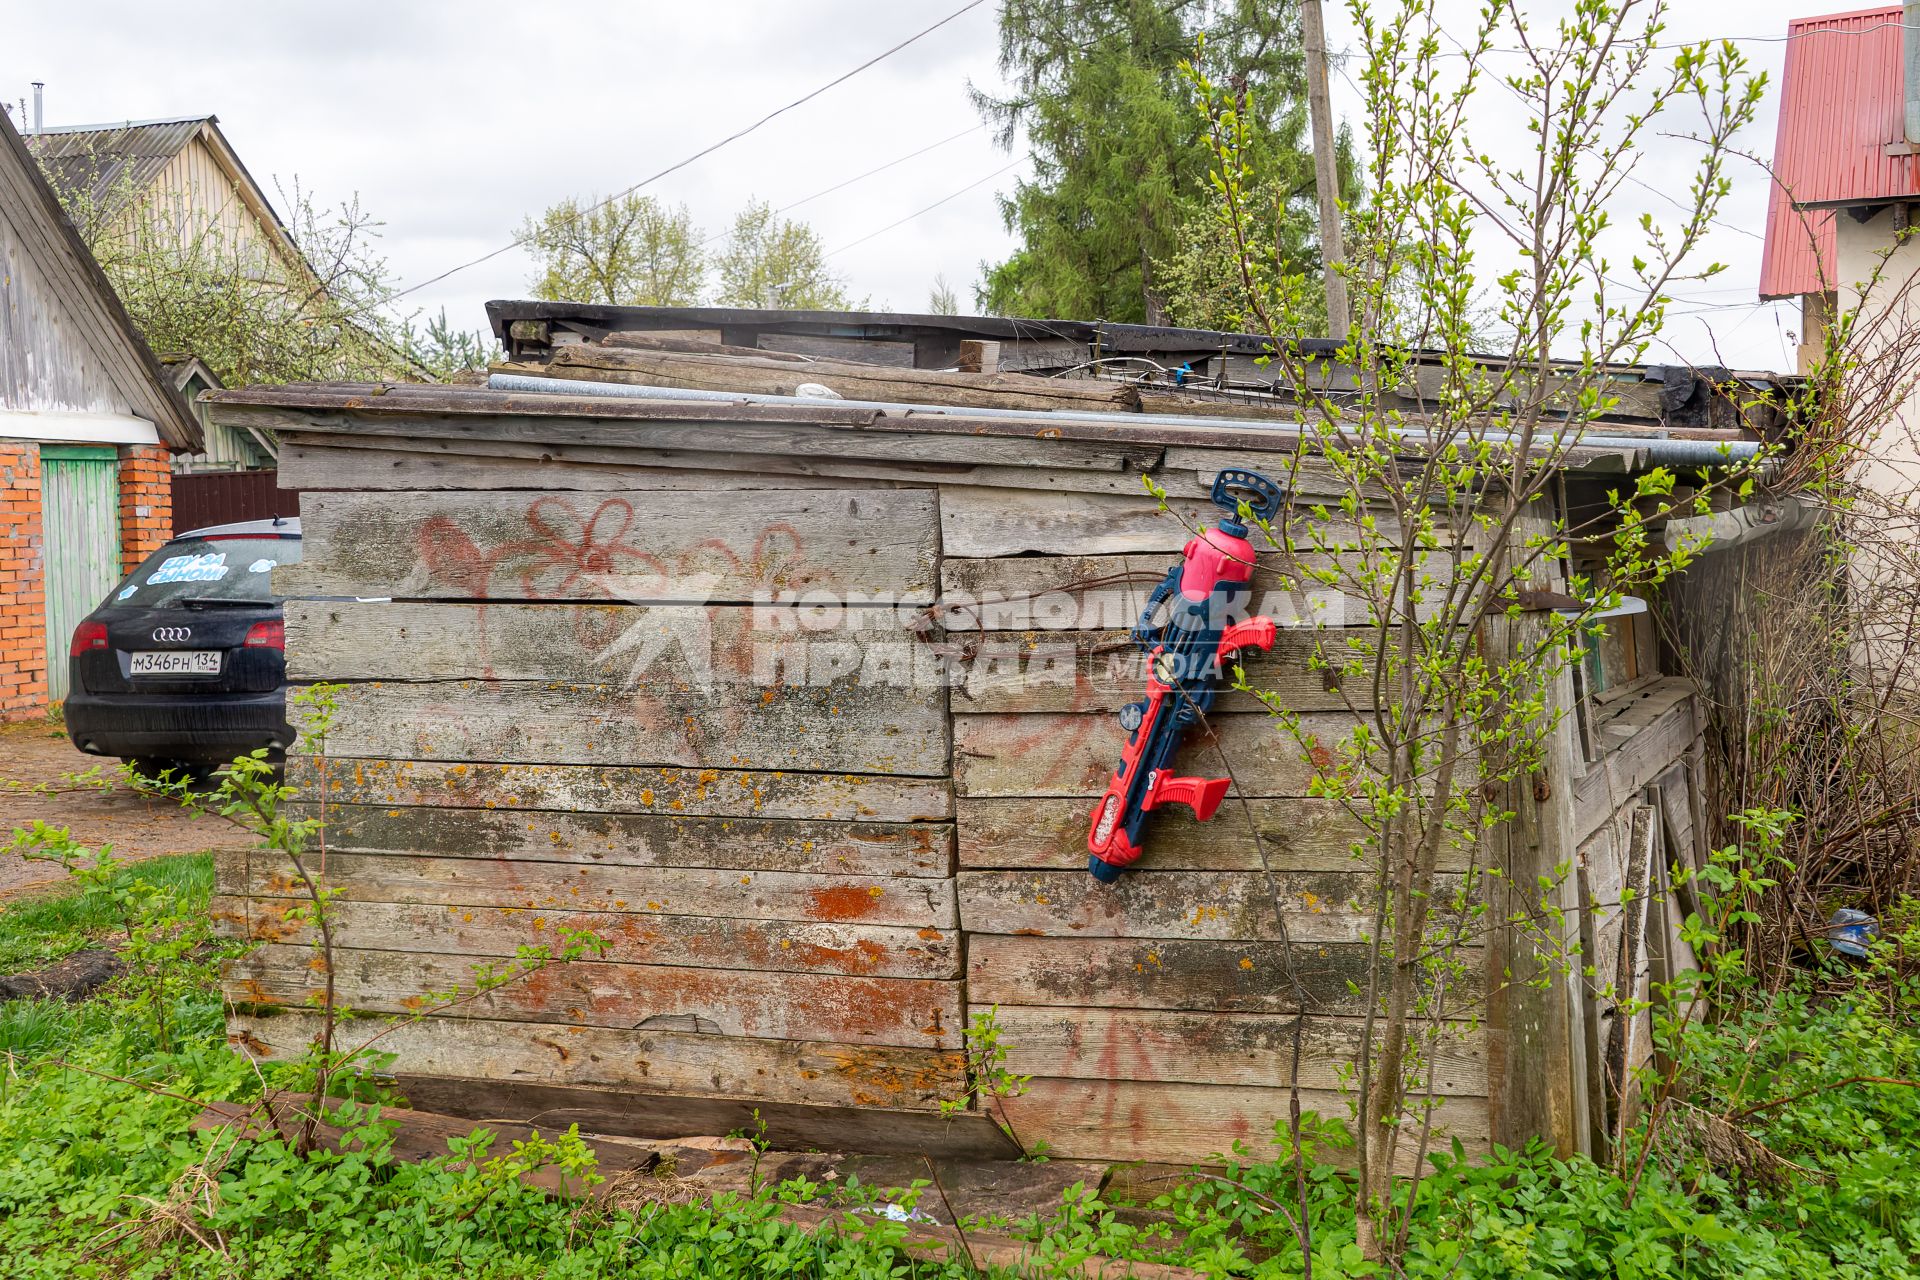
(1841, 103)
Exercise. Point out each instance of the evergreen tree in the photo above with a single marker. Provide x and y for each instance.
(1120, 165)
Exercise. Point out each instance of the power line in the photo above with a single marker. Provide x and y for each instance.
(517, 241)
(1694, 44)
(720, 235)
(952, 195)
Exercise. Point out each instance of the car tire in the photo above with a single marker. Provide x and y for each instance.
(151, 767)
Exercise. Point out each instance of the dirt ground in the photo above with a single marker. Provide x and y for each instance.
(38, 751)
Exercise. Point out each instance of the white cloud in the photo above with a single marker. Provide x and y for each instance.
(453, 119)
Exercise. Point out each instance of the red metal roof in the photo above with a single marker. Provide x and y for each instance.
(1842, 103)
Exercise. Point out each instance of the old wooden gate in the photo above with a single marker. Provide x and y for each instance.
(80, 513)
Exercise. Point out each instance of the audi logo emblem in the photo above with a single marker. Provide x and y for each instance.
(172, 635)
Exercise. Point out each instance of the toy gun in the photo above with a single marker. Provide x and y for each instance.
(1186, 653)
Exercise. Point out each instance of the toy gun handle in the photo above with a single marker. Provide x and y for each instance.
(1236, 484)
(1145, 633)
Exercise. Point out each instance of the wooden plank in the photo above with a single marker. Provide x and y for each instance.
(991, 522)
(1536, 1026)
(641, 840)
(735, 653)
(1300, 471)
(642, 1061)
(1101, 671)
(1650, 734)
(1212, 1048)
(1317, 906)
(720, 444)
(694, 942)
(1227, 977)
(965, 1135)
(636, 546)
(621, 789)
(309, 468)
(717, 1004)
(1193, 1124)
(1020, 354)
(727, 894)
(1090, 593)
(852, 381)
(1298, 834)
(533, 722)
(894, 355)
(316, 466)
(1074, 755)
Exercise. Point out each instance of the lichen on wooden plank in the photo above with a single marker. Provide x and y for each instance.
(529, 885)
(1098, 672)
(640, 840)
(638, 1060)
(1298, 834)
(1197, 1124)
(638, 546)
(532, 722)
(602, 788)
(1316, 906)
(1214, 1048)
(1074, 755)
(1234, 977)
(776, 946)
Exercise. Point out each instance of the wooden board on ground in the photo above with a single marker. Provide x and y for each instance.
(492, 933)
(1213, 1048)
(640, 546)
(538, 722)
(642, 840)
(967, 1135)
(620, 789)
(643, 1060)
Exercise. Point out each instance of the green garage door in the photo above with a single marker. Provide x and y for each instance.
(80, 518)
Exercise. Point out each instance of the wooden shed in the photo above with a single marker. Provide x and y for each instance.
(802, 706)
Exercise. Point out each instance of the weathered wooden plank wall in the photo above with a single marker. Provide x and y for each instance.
(618, 686)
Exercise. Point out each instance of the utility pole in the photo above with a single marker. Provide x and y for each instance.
(1326, 180)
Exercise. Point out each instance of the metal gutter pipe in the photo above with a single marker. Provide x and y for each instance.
(1660, 450)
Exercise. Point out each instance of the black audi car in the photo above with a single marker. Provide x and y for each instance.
(184, 665)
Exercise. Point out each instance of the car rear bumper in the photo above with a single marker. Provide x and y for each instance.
(178, 726)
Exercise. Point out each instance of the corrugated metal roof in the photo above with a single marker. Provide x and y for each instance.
(112, 163)
(1842, 104)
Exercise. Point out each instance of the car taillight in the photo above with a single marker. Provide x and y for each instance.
(87, 637)
(267, 635)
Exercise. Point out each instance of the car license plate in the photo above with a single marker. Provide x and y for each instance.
(177, 662)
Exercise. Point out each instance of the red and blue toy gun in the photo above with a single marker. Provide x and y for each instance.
(1189, 631)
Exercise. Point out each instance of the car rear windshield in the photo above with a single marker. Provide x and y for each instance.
(224, 569)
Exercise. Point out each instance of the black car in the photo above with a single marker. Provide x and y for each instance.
(184, 665)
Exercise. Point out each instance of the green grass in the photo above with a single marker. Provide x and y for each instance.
(39, 929)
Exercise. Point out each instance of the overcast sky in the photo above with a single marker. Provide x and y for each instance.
(454, 119)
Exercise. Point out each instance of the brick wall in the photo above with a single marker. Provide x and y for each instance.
(23, 613)
(146, 502)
